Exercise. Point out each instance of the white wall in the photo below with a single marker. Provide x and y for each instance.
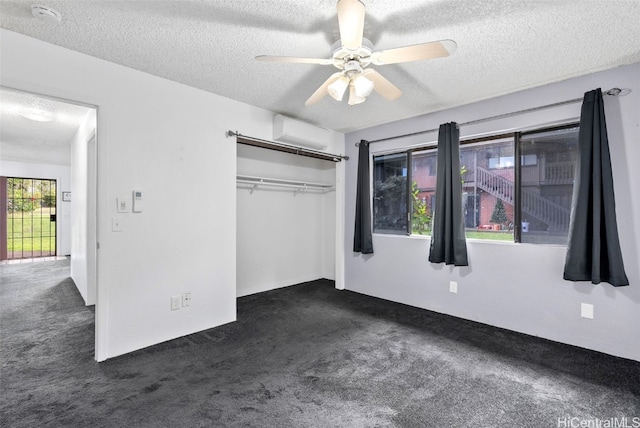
(167, 140)
(62, 175)
(283, 238)
(329, 222)
(83, 249)
(516, 286)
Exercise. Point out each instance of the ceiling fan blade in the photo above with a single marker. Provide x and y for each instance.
(415, 52)
(382, 86)
(351, 23)
(271, 58)
(322, 90)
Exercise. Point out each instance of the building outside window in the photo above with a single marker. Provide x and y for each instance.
(498, 194)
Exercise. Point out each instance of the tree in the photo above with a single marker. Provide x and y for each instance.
(21, 196)
(499, 214)
(420, 218)
(391, 203)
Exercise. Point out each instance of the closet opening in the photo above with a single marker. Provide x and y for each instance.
(286, 218)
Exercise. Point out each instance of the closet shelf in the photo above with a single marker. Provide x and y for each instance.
(299, 186)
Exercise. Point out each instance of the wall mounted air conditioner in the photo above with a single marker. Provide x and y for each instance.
(299, 133)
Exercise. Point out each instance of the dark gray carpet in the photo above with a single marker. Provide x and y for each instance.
(303, 356)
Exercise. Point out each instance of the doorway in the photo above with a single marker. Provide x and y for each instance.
(49, 166)
(31, 230)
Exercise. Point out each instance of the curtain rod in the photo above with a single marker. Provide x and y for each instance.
(614, 92)
(282, 147)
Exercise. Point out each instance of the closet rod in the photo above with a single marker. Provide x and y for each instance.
(299, 188)
(280, 180)
(300, 185)
(614, 92)
(282, 147)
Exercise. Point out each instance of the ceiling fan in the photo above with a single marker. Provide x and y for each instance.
(353, 53)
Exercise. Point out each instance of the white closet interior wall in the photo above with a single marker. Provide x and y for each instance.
(284, 236)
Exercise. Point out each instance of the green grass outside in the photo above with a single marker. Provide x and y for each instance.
(483, 234)
(492, 236)
(31, 231)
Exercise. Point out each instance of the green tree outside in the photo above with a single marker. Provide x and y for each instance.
(499, 214)
(421, 215)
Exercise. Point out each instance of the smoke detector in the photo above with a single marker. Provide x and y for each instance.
(46, 13)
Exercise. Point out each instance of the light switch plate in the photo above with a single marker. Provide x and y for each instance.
(175, 303)
(123, 205)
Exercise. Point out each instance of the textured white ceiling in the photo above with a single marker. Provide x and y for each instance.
(25, 140)
(503, 46)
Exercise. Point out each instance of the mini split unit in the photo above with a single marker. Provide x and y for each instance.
(299, 133)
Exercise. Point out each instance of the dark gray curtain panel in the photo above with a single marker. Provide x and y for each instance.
(593, 252)
(448, 244)
(362, 240)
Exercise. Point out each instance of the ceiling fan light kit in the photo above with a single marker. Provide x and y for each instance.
(353, 53)
(337, 88)
(362, 85)
(354, 98)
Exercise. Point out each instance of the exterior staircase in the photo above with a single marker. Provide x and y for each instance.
(555, 216)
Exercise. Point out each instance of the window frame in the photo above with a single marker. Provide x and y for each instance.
(515, 136)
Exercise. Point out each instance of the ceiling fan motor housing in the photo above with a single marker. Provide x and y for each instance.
(352, 66)
(342, 56)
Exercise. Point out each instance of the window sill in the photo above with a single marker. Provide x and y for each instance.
(470, 240)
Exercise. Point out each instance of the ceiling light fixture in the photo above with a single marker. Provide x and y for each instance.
(37, 115)
(338, 88)
(354, 98)
(362, 85)
(353, 78)
(353, 53)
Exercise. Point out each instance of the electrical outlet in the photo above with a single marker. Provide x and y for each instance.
(175, 303)
(186, 299)
(453, 286)
(586, 310)
(116, 224)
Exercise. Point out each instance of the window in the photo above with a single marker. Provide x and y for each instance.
(525, 202)
(530, 159)
(488, 188)
(546, 187)
(390, 193)
(423, 190)
(500, 156)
